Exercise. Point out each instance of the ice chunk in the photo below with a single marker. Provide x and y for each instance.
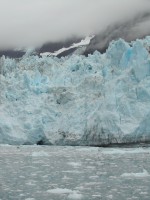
(75, 196)
(39, 154)
(136, 175)
(60, 191)
(116, 51)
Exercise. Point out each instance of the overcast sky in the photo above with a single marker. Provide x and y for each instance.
(34, 22)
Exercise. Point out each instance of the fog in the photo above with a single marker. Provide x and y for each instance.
(25, 23)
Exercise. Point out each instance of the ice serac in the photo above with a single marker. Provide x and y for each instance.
(101, 99)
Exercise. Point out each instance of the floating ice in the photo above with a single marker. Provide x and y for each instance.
(96, 100)
(136, 175)
(72, 194)
(39, 154)
(75, 196)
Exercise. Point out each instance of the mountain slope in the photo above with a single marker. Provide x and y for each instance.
(72, 47)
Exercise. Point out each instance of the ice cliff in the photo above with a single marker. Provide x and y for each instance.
(95, 100)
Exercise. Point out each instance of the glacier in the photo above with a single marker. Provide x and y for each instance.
(97, 100)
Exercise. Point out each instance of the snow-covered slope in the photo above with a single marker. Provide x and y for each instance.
(83, 43)
(95, 100)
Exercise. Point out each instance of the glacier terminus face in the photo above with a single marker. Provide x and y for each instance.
(97, 100)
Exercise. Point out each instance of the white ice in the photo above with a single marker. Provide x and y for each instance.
(136, 175)
(96, 100)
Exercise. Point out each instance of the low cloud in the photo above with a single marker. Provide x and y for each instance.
(33, 22)
(137, 27)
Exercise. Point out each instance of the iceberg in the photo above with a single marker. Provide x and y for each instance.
(97, 100)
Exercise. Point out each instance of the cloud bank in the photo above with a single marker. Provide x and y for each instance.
(26, 23)
(129, 30)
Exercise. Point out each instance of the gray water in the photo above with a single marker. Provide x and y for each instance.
(62, 173)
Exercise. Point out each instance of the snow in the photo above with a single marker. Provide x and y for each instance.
(96, 100)
(83, 42)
